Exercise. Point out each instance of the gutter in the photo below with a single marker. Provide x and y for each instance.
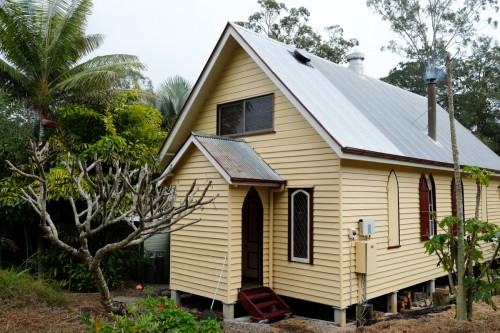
(362, 152)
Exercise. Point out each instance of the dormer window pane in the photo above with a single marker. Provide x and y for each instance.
(254, 115)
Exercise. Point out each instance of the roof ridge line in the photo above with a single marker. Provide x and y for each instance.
(263, 36)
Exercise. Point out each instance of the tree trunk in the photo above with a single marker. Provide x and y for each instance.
(40, 252)
(461, 313)
(470, 301)
(478, 199)
(470, 265)
(102, 286)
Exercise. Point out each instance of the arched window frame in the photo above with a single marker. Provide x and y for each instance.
(308, 237)
(432, 206)
(428, 209)
(393, 243)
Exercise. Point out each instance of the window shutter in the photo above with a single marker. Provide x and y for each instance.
(454, 210)
(424, 209)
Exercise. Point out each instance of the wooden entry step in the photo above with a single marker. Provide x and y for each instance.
(262, 304)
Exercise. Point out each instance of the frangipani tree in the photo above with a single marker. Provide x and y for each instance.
(104, 196)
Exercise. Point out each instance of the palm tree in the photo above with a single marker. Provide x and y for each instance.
(42, 46)
(172, 94)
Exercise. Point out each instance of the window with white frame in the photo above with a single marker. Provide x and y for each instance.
(300, 225)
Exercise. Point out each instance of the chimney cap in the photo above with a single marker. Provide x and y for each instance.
(355, 54)
(355, 60)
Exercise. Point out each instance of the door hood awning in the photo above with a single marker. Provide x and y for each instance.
(235, 160)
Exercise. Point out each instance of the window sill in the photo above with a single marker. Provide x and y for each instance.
(301, 261)
(242, 135)
(250, 134)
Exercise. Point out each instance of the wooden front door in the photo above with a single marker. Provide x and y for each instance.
(252, 225)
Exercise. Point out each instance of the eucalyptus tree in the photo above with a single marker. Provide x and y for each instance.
(171, 96)
(43, 47)
(290, 26)
(477, 83)
(429, 31)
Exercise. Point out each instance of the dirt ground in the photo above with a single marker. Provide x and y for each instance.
(44, 319)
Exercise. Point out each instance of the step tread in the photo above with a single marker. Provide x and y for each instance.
(258, 296)
(272, 315)
(258, 302)
(267, 304)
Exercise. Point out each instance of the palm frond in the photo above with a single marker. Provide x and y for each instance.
(11, 80)
(98, 73)
(66, 40)
(42, 44)
(172, 94)
(17, 44)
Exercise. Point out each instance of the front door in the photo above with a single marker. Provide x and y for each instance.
(252, 225)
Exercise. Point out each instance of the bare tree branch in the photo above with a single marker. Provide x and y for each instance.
(135, 198)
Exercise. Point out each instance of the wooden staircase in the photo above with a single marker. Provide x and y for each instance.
(262, 304)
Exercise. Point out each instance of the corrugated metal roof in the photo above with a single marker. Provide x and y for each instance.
(365, 114)
(237, 159)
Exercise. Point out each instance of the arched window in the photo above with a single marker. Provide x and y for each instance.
(393, 210)
(300, 225)
(432, 206)
(428, 209)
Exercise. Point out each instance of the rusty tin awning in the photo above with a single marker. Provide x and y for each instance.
(233, 158)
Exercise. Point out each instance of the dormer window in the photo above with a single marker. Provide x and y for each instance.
(249, 116)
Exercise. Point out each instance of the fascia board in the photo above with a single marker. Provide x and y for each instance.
(197, 93)
(375, 159)
(183, 150)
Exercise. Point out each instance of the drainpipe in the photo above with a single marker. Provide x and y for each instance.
(271, 233)
(431, 106)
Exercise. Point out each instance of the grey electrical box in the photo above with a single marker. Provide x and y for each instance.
(367, 227)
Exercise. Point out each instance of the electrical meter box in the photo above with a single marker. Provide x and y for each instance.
(367, 227)
(366, 257)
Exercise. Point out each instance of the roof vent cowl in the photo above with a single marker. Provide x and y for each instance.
(355, 60)
(301, 57)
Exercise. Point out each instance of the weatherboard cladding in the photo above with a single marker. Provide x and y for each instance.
(363, 114)
(238, 159)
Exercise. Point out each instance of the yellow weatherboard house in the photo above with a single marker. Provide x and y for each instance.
(328, 181)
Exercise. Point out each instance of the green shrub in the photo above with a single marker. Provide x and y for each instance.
(18, 288)
(73, 274)
(154, 314)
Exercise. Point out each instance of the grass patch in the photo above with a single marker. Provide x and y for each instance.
(19, 288)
